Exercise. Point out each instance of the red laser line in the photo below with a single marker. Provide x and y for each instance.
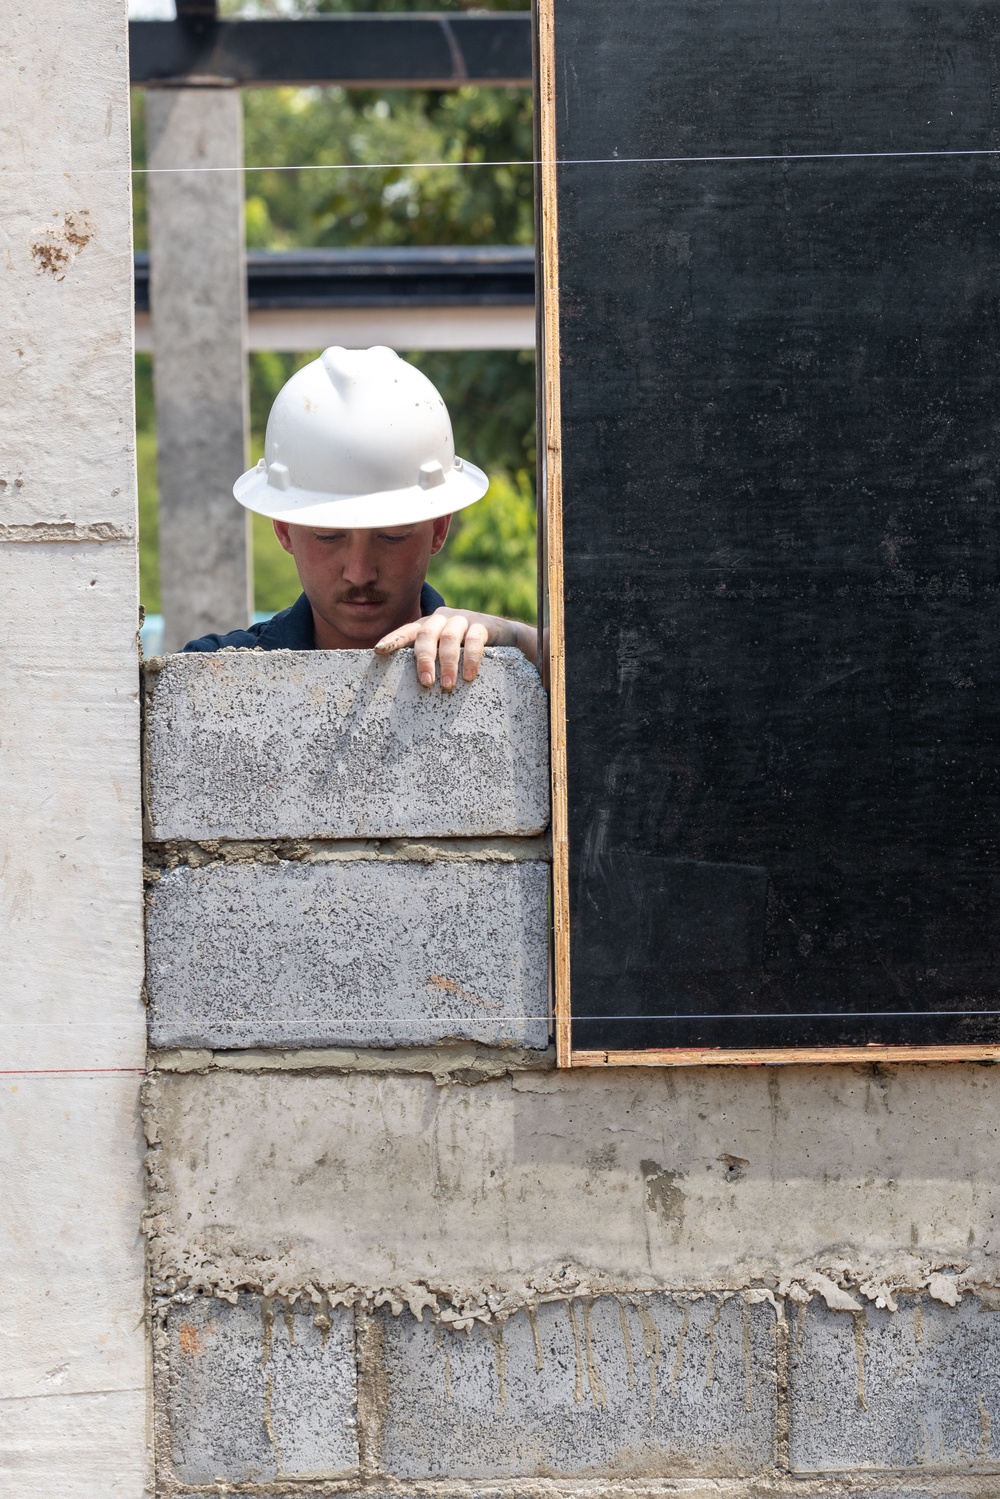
(59, 1071)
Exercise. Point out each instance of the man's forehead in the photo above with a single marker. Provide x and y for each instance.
(324, 532)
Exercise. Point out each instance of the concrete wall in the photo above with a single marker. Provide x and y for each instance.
(689, 1180)
(72, 1354)
(441, 1267)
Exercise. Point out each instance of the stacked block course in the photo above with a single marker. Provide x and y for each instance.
(393, 1251)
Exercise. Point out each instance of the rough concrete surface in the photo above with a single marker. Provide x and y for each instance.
(348, 952)
(198, 309)
(682, 1178)
(461, 1062)
(772, 1486)
(72, 1353)
(256, 1393)
(342, 744)
(67, 428)
(642, 1385)
(70, 851)
(918, 1387)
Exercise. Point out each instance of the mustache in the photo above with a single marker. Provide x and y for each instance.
(362, 596)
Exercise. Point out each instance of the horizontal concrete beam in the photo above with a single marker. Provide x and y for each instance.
(293, 330)
(341, 744)
(350, 952)
(690, 1179)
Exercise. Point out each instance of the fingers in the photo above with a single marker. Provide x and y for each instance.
(441, 636)
(476, 638)
(449, 646)
(397, 639)
(425, 647)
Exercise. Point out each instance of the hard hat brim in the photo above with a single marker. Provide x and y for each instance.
(348, 512)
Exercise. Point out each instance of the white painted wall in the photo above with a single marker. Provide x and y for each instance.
(72, 1351)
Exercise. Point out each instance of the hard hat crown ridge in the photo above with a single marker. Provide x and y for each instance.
(359, 438)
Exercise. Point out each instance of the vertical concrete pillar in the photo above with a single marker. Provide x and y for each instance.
(72, 1032)
(198, 302)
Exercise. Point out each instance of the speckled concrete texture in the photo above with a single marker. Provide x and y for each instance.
(258, 1392)
(342, 744)
(349, 952)
(773, 1487)
(918, 1387)
(632, 1385)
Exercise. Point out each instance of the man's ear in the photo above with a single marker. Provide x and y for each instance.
(281, 531)
(441, 524)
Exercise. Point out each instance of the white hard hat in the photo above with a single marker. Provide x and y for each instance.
(359, 438)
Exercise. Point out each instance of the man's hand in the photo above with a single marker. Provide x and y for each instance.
(448, 632)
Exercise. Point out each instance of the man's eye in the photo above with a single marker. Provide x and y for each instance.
(383, 537)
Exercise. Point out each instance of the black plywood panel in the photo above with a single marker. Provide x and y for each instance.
(780, 433)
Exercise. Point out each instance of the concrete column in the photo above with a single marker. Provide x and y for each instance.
(72, 1354)
(198, 297)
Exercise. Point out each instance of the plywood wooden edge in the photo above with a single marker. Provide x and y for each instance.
(545, 13)
(782, 1057)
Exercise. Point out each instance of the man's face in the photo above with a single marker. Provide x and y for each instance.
(362, 584)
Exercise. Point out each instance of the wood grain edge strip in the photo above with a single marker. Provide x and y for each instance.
(784, 1056)
(545, 11)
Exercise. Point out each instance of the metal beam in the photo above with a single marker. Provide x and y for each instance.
(423, 276)
(198, 11)
(381, 50)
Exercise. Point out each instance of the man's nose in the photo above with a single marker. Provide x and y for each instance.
(359, 563)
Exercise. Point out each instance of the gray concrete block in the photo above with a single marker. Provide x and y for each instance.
(342, 744)
(895, 1390)
(643, 1386)
(257, 1391)
(349, 952)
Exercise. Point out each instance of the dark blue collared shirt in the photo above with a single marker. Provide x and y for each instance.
(291, 630)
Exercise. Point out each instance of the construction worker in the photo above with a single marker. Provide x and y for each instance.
(360, 481)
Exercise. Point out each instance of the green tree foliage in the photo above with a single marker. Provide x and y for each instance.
(145, 455)
(360, 201)
(489, 561)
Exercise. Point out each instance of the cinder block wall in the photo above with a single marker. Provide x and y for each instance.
(339, 858)
(393, 1251)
